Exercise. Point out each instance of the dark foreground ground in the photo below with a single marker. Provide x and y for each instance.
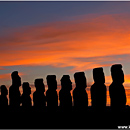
(59, 119)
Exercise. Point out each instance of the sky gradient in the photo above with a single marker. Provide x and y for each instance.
(42, 38)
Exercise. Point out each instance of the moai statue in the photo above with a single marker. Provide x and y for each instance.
(25, 98)
(116, 89)
(79, 93)
(3, 96)
(64, 94)
(51, 93)
(98, 89)
(39, 98)
(14, 93)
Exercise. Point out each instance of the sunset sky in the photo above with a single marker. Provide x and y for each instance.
(42, 38)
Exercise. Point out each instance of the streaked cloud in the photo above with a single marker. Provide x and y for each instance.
(6, 78)
(61, 44)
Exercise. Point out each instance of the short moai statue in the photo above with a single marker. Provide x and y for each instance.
(98, 89)
(51, 93)
(25, 98)
(3, 97)
(64, 94)
(39, 98)
(79, 93)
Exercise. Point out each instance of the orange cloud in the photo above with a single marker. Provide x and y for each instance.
(5, 76)
(8, 76)
(61, 43)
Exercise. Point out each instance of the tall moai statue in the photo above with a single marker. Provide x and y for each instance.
(98, 89)
(25, 98)
(14, 93)
(3, 97)
(39, 98)
(116, 89)
(51, 93)
(64, 94)
(79, 93)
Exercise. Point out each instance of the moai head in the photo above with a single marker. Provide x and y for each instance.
(66, 82)
(26, 88)
(4, 90)
(80, 80)
(39, 84)
(16, 80)
(51, 82)
(98, 75)
(117, 73)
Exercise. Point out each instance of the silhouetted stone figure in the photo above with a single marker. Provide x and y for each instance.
(116, 89)
(39, 98)
(25, 98)
(64, 94)
(51, 93)
(3, 96)
(14, 93)
(98, 89)
(79, 93)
